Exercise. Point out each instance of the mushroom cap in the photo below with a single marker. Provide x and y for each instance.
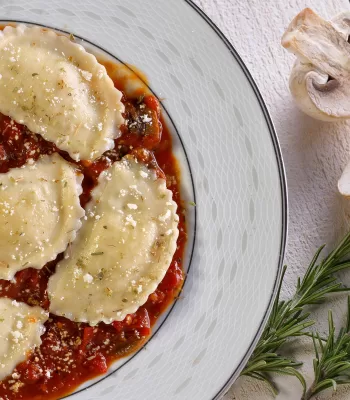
(320, 77)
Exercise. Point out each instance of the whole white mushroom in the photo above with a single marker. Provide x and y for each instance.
(320, 77)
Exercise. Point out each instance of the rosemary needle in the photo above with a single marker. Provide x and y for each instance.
(289, 319)
(332, 362)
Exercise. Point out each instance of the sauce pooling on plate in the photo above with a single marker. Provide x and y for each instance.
(72, 353)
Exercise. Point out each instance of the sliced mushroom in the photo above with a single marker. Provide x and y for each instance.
(320, 78)
(344, 182)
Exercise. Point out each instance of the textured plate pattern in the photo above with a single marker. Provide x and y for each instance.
(237, 180)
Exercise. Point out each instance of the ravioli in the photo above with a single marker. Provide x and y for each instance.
(20, 329)
(58, 90)
(123, 249)
(39, 213)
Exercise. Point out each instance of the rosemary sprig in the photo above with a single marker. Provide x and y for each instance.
(289, 319)
(332, 362)
(284, 322)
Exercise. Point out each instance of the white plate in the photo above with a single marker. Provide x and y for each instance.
(221, 128)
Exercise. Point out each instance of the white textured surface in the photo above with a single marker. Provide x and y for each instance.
(315, 153)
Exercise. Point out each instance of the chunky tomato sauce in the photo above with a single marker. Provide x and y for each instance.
(72, 353)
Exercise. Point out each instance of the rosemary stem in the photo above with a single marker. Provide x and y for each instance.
(310, 336)
(309, 393)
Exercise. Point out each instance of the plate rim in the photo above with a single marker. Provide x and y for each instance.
(283, 188)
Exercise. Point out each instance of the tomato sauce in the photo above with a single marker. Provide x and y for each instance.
(72, 353)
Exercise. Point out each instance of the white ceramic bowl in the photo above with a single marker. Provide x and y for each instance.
(232, 168)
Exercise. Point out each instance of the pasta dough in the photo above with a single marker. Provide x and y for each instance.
(123, 249)
(39, 213)
(58, 90)
(20, 329)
